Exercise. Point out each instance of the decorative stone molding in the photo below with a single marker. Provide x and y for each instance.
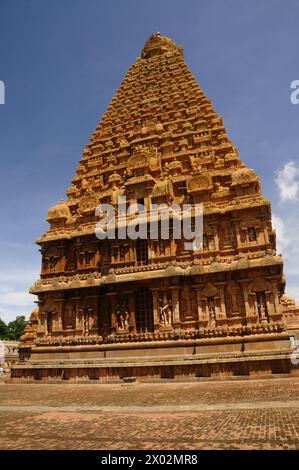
(199, 183)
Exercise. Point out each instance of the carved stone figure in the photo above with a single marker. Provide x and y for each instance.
(165, 311)
(212, 315)
(262, 309)
(123, 320)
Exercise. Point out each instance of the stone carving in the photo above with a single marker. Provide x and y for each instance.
(154, 159)
(162, 189)
(60, 211)
(30, 332)
(234, 299)
(195, 163)
(69, 317)
(144, 156)
(212, 314)
(174, 168)
(243, 176)
(88, 202)
(262, 310)
(137, 161)
(287, 302)
(72, 193)
(86, 319)
(115, 179)
(157, 45)
(123, 318)
(122, 314)
(199, 183)
(165, 310)
(209, 291)
(260, 285)
(111, 160)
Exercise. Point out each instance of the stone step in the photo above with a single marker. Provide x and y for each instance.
(132, 361)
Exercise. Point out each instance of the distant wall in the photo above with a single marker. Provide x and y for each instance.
(9, 352)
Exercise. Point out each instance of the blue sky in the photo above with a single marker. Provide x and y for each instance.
(62, 61)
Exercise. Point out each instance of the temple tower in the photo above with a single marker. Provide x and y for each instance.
(160, 142)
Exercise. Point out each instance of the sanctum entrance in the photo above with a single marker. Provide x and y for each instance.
(144, 311)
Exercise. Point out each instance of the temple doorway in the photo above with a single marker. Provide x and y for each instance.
(144, 311)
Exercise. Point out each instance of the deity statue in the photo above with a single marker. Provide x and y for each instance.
(262, 312)
(84, 184)
(212, 314)
(85, 325)
(165, 312)
(111, 160)
(85, 315)
(123, 318)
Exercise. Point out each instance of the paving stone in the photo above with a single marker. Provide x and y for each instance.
(259, 414)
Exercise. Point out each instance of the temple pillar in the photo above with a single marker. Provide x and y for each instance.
(156, 314)
(131, 251)
(132, 319)
(200, 312)
(58, 323)
(217, 307)
(266, 233)
(222, 302)
(113, 304)
(215, 236)
(238, 234)
(99, 313)
(42, 328)
(56, 318)
(246, 297)
(222, 307)
(276, 306)
(94, 315)
(172, 246)
(175, 301)
(88, 317)
(78, 322)
(254, 308)
(270, 306)
(62, 263)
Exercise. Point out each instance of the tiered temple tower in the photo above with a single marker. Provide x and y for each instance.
(150, 308)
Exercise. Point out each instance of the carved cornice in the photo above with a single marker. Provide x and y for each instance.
(169, 269)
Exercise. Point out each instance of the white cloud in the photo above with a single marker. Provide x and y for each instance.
(15, 302)
(282, 239)
(18, 276)
(14, 285)
(286, 226)
(287, 180)
(293, 291)
(10, 313)
(18, 298)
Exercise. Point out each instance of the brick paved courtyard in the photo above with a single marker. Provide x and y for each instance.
(255, 414)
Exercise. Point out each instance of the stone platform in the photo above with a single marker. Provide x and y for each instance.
(179, 360)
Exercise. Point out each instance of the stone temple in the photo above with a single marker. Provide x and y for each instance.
(150, 308)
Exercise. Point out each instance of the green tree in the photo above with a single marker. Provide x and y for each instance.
(3, 330)
(16, 328)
